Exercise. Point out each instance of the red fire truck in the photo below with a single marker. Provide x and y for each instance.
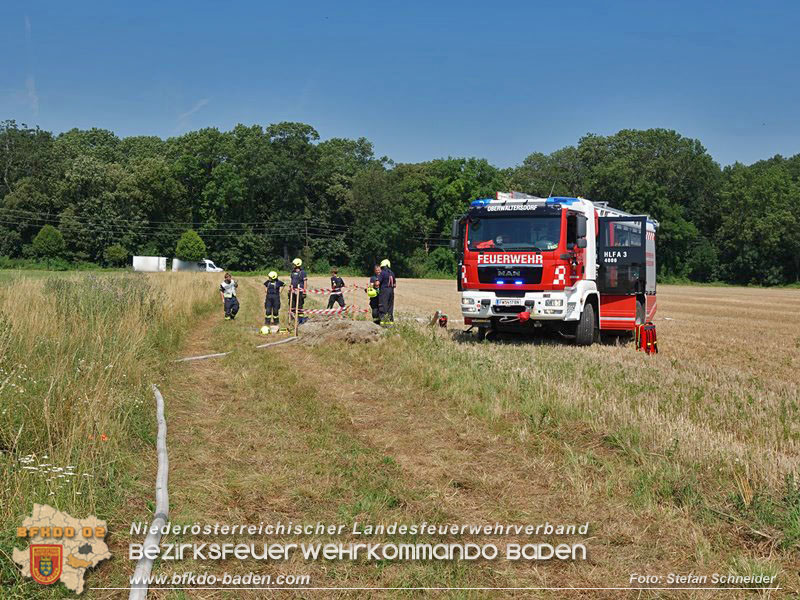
(568, 265)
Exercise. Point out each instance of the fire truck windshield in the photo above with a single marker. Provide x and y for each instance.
(496, 234)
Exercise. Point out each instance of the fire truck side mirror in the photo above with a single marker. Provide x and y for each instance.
(454, 234)
(581, 230)
(582, 242)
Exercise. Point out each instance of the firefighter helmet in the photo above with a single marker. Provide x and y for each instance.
(372, 292)
(272, 275)
(265, 330)
(385, 263)
(297, 262)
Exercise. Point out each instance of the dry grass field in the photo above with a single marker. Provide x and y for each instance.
(77, 354)
(685, 462)
(726, 382)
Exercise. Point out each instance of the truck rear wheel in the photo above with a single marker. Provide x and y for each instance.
(586, 332)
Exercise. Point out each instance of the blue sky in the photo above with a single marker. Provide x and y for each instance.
(420, 80)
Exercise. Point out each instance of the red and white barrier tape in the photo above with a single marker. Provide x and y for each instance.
(327, 290)
(332, 311)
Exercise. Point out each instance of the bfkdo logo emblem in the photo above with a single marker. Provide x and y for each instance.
(60, 548)
(46, 562)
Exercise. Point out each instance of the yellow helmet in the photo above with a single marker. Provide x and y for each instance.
(272, 275)
(385, 263)
(297, 262)
(372, 292)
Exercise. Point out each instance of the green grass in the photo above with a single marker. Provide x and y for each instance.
(746, 566)
(55, 265)
(772, 514)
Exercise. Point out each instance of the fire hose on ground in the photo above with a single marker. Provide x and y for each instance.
(145, 565)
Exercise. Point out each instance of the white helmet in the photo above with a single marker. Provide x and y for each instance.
(297, 262)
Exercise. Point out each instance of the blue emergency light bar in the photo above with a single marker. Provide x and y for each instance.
(480, 202)
(562, 200)
(518, 282)
(499, 282)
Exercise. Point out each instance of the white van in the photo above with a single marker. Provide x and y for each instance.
(205, 266)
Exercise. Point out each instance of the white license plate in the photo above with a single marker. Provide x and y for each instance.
(507, 302)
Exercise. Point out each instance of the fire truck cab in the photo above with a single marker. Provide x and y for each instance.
(565, 264)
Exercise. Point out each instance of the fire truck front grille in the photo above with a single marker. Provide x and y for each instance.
(509, 293)
(493, 274)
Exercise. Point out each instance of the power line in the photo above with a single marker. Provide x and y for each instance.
(121, 232)
(298, 234)
(144, 224)
(176, 223)
(51, 216)
(269, 229)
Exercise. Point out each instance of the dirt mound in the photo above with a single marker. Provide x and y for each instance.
(352, 332)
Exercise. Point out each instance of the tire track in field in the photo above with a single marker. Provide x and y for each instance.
(213, 436)
(471, 474)
(245, 453)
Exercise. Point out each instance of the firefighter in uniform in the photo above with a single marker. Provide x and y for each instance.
(299, 280)
(372, 294)
(337, 283)
(227, 289)
(387, 284)
(272, 301)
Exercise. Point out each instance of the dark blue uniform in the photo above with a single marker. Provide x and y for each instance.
(337, 283)
(298, 281)
(373, 302)
(272, 303)
(386, 295)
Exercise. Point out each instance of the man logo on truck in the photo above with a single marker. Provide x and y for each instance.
(508, 273)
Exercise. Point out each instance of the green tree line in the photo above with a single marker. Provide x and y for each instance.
(257, 196)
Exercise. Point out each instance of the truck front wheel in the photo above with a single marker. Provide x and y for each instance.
(485, 333)
(586, 331)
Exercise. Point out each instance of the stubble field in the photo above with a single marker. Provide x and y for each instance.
(683, 462)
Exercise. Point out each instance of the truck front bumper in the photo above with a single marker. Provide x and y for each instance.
(545, 306)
